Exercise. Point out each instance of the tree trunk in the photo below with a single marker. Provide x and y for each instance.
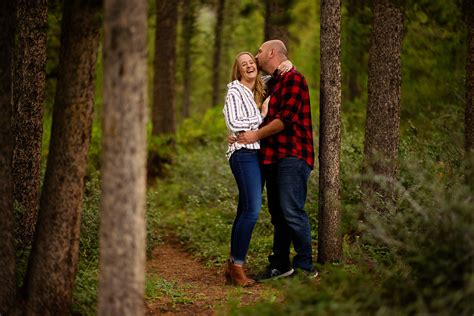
(123, 228)
(382, 130)
(7, 238)
(277, 18)
(29, 93)
(353, 52)
(469, 114)
(216, 78)
(164, 114)
(53, 262)
(188, 33)
(329, 236)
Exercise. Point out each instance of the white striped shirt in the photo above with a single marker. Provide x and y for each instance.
(241, 114)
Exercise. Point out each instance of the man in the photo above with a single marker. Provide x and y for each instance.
(287, 158)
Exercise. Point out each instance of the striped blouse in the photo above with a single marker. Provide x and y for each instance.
(241, 114)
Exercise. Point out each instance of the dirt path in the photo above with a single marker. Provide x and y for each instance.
(184, 286)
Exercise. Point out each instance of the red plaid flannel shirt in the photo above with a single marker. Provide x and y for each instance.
(290, 103)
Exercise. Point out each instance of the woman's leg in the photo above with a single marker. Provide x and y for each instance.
(246, 170)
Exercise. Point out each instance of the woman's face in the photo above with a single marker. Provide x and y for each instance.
(247, 67)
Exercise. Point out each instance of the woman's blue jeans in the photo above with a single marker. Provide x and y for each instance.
(245, 167)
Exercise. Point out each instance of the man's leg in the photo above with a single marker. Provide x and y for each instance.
(280, 258)
(292, 181)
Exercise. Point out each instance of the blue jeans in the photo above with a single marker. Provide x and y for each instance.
(286, 183)
(245, 167)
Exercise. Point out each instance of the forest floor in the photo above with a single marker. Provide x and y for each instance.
(183, 285)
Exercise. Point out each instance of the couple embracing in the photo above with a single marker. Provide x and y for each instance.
(270, 143)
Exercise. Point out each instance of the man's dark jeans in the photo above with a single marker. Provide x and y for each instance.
(286, 183)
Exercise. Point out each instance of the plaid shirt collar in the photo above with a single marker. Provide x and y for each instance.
(276, 74)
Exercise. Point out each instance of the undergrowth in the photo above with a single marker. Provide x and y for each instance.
(416, 258)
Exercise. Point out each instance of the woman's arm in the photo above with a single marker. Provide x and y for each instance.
(233, 114)
(264, 110)
(285, 66)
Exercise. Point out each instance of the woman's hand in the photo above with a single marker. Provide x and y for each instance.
(231, 139)
(285, 66)
(264, 110)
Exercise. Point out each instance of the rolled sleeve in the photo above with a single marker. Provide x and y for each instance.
(235, 118)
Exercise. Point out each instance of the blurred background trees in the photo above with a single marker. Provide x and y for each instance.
(405, 71)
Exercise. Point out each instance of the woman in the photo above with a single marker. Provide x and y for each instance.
(244, 110)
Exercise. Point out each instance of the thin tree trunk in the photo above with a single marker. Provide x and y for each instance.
(53, 263)
(7, 238)
(216, 78)
(354, 55)
(277, 18)
(382, 130)
(123, 228)
(29, 92)
(164, 114)
(188, 33)
(329, 235)
(469, 114)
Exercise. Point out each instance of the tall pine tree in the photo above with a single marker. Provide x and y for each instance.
(53, 261)
(123, 169)
(469, 114)
(29, 93)
(382, 129)
(7, 238)
(216, 60)
(164, 113)
(329, 236)
(277, 19)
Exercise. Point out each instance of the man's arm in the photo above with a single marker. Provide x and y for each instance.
(250, 137)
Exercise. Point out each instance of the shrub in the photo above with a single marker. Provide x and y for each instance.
(414, 259)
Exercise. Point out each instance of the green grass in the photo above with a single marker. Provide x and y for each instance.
(157, 287)
(395, 264)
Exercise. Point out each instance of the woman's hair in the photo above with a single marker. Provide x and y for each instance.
(259, 90)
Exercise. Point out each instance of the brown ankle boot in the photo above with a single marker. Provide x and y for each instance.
(235, 275)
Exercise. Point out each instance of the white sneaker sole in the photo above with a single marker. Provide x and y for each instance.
(281, 276)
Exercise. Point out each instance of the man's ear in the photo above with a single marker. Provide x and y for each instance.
(272, 52)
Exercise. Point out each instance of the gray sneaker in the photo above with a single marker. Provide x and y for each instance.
(305, 274)
(275, 274)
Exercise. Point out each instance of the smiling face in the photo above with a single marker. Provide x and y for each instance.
(247, 68)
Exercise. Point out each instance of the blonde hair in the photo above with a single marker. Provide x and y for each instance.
(259, 89)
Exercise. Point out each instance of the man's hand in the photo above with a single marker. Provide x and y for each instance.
(248, 137)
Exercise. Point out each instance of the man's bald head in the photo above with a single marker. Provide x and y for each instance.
(278, 46)
(271, 54)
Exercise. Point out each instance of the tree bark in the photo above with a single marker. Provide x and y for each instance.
(123, 228)
(53, 263)
(188, 34)
(329, 236)
(7, 238)
(353, 51)
(164, 113)
(469, 113)
(216, 78)
(277, 18)
(29, 93)
(382, 130)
